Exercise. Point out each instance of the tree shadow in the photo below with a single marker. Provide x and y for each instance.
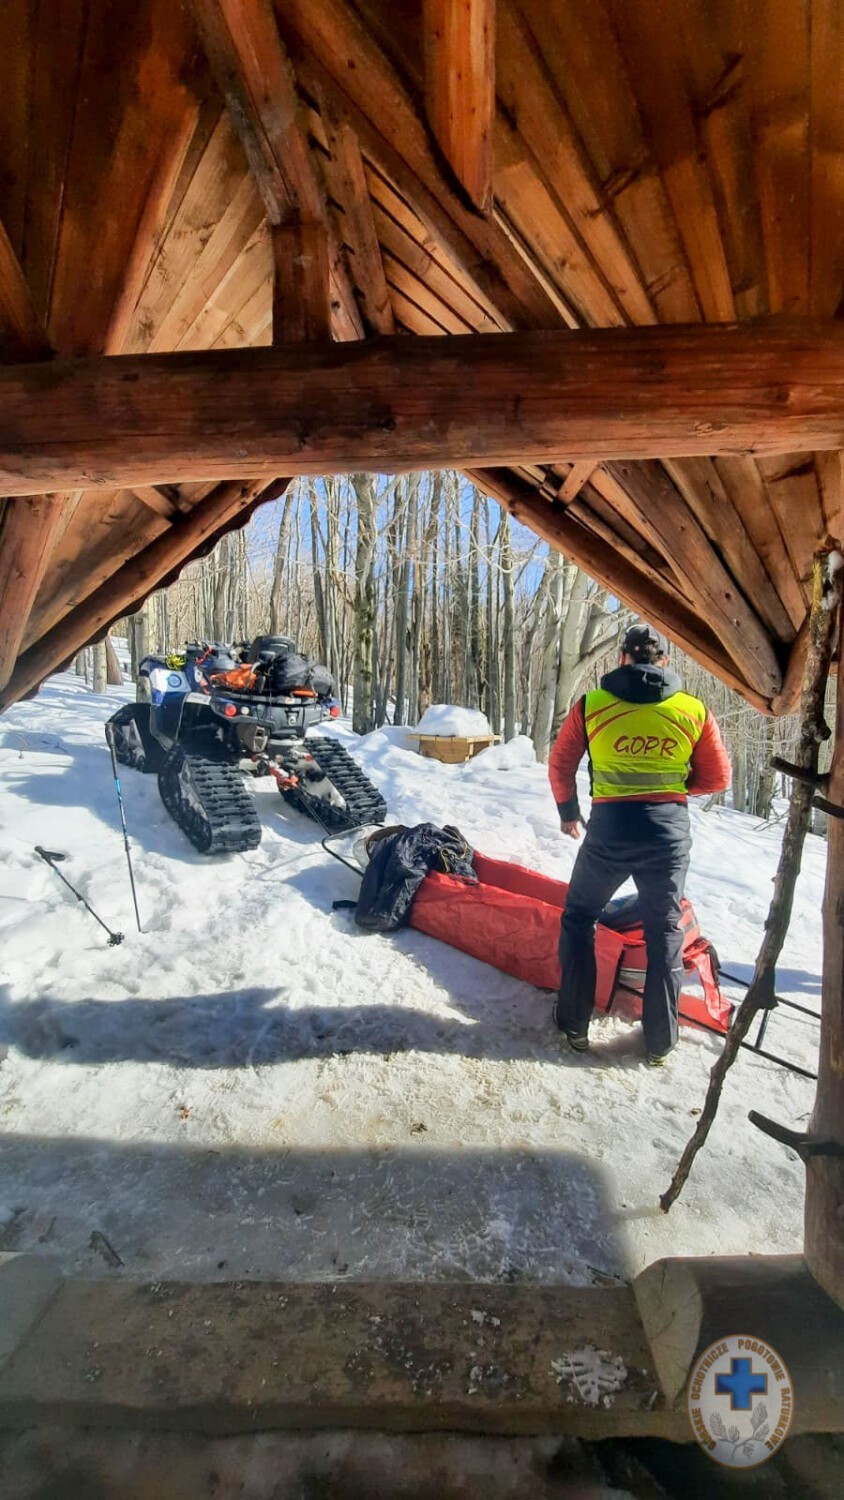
(258, 1027)
(788, 981)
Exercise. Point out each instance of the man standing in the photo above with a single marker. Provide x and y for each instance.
(649, 745)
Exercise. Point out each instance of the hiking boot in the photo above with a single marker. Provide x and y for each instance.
(658, 1059)
(577, 1041)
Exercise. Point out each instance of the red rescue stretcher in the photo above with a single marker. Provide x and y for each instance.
(511, 919)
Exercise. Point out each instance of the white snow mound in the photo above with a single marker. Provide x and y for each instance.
(450, 718)
(516, 755)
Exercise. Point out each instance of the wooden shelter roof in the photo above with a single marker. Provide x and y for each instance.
(221, 174)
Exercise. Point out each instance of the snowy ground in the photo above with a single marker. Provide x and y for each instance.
(254, 1087)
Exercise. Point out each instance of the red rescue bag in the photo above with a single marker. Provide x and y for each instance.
(511, 919)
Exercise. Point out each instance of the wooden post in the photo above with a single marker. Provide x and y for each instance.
(301, 293)
(824, 1223)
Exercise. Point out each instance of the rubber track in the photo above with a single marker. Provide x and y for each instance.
(363, 803)
(228, 823)
(150, 758)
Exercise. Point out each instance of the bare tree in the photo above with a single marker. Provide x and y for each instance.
(363, 716)
(508, 642)
(114, 675)
(100, 672)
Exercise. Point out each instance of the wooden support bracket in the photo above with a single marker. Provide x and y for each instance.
(805, 1145)
(799, 773)
(832, 809)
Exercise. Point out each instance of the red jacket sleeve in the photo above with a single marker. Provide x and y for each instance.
(709, 768)
(569, 749)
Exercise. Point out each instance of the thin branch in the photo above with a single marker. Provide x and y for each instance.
(760, 994)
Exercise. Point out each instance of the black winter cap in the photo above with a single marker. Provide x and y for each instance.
(639, 637)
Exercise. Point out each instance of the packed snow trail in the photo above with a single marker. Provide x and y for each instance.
(253, 1087)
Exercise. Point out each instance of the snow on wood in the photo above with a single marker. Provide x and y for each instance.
(450, 718)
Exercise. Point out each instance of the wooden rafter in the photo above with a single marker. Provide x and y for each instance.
(575, 480)
(460, 88)
(256, 79)
(322, 38)
(27, 532)
(347, 178)
(29, 527)
(22, 335)
(657, 506)
(602, 561)
(511, 398)
(152, 497)
(134, 580)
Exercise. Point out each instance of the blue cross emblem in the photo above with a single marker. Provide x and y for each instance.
(741, 1385)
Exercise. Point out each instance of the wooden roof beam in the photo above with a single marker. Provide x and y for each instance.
(254, 75)
(460, 88)
(490, 399)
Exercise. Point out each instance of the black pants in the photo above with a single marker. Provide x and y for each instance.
(651, 842)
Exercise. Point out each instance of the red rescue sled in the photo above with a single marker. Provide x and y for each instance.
(511, 919)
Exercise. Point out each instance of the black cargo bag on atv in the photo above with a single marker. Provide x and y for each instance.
(290, 671)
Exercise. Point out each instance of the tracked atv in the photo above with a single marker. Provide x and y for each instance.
(202, 717)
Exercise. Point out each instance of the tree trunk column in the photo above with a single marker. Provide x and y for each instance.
(824, 1223)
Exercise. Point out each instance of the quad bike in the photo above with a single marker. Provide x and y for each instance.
(205, 715)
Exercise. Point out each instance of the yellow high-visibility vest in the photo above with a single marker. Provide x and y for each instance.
(641, 749)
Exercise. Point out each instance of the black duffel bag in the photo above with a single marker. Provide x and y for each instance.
(290, 671)
(322, 681)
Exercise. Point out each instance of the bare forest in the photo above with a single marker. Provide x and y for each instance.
(417, 589)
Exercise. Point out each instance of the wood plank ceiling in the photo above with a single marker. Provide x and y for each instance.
(636, 163)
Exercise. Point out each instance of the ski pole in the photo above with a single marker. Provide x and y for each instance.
(110, 738)
(50, 857)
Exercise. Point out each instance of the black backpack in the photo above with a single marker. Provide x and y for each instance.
(322, 681)
(290, 671)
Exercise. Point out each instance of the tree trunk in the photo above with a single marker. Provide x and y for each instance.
(319, 596)
(431, 669)
(546, 700)
(740, 772)
(81, 666)
(459, 610)
(493, 705)
(402, 607)
(100, 674)
(509, 633)
(218, 609)
(114, 675)
(363, 715)
(475, 663)
(767, 774)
